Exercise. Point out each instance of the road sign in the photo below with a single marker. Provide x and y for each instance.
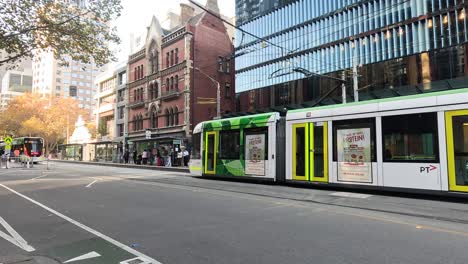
(8, 141)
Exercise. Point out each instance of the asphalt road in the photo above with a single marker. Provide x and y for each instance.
(88, 214)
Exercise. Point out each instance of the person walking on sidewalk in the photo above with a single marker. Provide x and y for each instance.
(126, 156)
(135, 153)
(144, 157)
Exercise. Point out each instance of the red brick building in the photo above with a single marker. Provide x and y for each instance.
(169, 91)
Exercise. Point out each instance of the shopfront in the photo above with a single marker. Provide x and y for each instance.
(71, 152)
(168, 148)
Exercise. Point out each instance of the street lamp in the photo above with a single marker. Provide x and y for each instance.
(218, 92)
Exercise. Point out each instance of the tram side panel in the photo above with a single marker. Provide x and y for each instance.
(243, 147)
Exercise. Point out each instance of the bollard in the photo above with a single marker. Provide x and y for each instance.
(27, 164)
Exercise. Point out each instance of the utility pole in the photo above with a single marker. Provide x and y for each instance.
(218, 92)
(355, 80)
(343, 87)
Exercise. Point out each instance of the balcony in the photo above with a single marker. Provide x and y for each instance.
(136, 104)
(170, 94)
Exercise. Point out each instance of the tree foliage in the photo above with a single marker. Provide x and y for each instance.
(83, 33)
(33, 116)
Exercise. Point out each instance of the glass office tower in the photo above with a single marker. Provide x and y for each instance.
(396, 47)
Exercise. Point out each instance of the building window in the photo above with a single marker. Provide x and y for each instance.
(220, 64)
(172, 57)
(176, 56)
(135, 73)
(154, 118)
(171, 117)
(172, 83)
(228, 66)
(229, 145)
(410, 138)
(167, 84)
(176, 82)
(168, 117)
(150, 92)
(134, 123)
(227, 91)
(176, 116)
(73, 91)
(167, 59)
(156, 90)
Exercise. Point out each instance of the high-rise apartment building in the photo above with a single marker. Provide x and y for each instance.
(14, 83)
(382, 48)
(65, 79)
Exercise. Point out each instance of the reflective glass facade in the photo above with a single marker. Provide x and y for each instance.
(401, 42)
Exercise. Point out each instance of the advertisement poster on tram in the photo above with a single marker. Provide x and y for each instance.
(354, 155)
(255, 154)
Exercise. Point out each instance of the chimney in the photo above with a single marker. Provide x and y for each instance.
(186, 12)
(173, 19)
(212, 5)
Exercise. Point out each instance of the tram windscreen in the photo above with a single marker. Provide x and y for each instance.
(34, 146)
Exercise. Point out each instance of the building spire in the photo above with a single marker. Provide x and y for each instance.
(212, 5)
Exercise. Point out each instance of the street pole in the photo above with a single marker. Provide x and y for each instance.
(343, 87)
(218, 92)
(355, 80)
(218, 101)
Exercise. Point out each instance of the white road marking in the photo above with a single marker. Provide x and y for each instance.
(38, 177)
(89, 185)
(86, 228)
(89, 255)
(351, 195)
(134, 260)
(14, 237)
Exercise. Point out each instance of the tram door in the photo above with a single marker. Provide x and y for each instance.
(310, 152)
(210, 153)
(457, 149)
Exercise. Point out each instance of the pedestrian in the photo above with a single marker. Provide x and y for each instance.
(144, 157)
(126, 156)
(185, 156)
(135, 153)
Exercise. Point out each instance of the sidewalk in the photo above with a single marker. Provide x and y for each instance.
(131, 166)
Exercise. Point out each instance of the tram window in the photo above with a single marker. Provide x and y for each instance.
(257, 131)
(410, 138)
(354, 125)
(229, 145)
(196, 146)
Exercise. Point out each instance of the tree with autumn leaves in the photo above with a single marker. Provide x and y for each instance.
(31, 115)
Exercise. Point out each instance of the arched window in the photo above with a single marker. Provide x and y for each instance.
(135, 73)
(156, 90)
(167, 118)
(171, 117)
(176, 82)
(150, 92)
(167, 84)
(176, 116)
(135, 95)
(141, 122)
(172, 83)
(134, 123)
(154, 118)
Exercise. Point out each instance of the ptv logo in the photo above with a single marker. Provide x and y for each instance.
(427, 169)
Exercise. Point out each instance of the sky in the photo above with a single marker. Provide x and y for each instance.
(137, 14)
